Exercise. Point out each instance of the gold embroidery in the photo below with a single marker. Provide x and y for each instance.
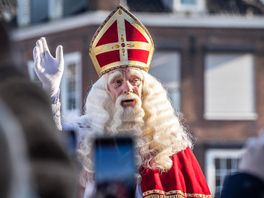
(173, 194)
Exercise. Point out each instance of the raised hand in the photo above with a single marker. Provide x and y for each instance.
(49, 69)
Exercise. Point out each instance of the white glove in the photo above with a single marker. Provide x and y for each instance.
(48, 69)
(252, 161)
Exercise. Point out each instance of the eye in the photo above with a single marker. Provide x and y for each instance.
(117, 82)
(135, 82)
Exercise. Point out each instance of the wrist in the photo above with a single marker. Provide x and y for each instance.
(55, 98)
(52, 92)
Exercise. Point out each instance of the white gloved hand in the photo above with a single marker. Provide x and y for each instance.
(48, 69)
(252, 161)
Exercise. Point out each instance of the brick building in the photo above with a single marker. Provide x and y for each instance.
(209, 56)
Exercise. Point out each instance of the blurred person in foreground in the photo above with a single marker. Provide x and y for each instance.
(15, 178)
(249, 180)
(51, 172)
(127, 98)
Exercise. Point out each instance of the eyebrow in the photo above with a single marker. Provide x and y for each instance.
(136, 73)
(114, 75)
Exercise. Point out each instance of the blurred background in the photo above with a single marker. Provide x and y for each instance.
(209, 56)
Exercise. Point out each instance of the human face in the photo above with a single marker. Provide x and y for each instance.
(124, 81)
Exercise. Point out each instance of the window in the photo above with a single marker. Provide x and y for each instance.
(23, 12)
(59, 8)
(187, 5)
(74, 7)
(71, 86)
(188, 2)
(219, 164)
(166, 68)
(31, 11)
(36, 11)
(55, 8)
(31, 72)
(229, 87)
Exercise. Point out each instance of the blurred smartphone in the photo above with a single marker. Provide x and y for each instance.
(114, 164)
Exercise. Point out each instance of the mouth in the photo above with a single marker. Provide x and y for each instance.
(128, 103)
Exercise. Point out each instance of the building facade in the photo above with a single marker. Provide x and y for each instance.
(210, 58)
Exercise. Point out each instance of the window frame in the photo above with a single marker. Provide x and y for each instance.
(214, 153)
(74, 57)
(31, 72)
(199, 6)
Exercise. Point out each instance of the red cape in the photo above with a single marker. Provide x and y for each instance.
(185, 179)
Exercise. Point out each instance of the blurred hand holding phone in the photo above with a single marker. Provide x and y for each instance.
(114, 165)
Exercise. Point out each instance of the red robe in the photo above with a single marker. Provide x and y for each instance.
(184, 180)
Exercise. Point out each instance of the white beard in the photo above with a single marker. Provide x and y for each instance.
(128, 120)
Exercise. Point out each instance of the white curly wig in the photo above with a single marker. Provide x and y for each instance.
(162, 134)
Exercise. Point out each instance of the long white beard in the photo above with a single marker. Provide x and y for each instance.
(129, 119)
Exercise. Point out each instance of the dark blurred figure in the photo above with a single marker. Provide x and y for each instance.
(249, 180)
(5, 170)
(52, 171)
(6, 54)
(15, 180)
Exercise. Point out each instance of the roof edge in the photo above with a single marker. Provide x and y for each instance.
(148, 19)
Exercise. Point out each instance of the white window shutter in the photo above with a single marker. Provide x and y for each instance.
(229, 86)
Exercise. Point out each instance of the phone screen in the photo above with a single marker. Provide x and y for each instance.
(114, 162)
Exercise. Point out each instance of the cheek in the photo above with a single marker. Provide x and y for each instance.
(114, 93)
(138, 91)
(111, 91)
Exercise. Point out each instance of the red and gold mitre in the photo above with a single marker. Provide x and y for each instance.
(122, 40)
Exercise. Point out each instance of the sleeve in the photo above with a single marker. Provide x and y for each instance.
(56, 110)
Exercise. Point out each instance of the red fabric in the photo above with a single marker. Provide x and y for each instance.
(110, 36)
(138, 55)
(185, 176)
(132, 34)
(108, 57)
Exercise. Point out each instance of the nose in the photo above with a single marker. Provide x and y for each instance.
(127, 87)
